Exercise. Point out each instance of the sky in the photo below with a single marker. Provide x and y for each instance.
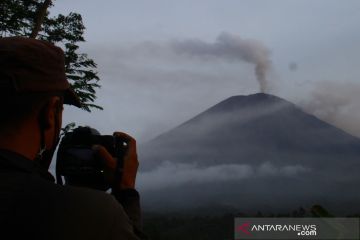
(162, 62)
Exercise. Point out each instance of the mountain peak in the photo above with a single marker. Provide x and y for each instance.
(253, 98)
(238, 102)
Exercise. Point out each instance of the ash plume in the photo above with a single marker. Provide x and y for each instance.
(336, 103)
(231, 48)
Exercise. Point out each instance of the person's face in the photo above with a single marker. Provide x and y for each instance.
(55, 122)
(51, 128)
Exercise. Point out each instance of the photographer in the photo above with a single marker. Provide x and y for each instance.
(33, 90)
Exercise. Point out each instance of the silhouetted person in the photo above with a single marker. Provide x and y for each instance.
(33, 90)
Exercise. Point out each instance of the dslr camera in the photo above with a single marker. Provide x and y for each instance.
(78, 164)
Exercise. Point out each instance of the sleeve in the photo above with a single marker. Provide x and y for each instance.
(130, 201)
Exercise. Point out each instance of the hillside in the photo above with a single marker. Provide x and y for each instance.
(261, 144)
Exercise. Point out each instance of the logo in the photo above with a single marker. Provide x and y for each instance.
(300, 230)
(296, 228)
(244, 228)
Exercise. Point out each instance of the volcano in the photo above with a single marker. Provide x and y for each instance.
(255, 152)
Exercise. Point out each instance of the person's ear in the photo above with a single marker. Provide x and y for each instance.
(50, 113)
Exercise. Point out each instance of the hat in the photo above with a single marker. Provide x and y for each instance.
(33, 66)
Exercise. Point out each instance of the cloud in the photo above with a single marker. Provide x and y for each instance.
(168, 175)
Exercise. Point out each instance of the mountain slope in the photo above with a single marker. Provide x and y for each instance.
(259, 139)
(251, 129)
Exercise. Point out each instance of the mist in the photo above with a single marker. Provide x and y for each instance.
(171, 175)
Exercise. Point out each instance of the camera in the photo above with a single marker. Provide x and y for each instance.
(79, 165)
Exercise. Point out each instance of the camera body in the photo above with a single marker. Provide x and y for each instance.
(79, 164)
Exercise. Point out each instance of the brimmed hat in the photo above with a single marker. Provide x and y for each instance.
(35, 67)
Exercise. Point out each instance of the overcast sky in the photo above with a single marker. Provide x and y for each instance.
(162, 62)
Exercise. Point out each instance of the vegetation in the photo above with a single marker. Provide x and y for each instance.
(31, 18)
(180, 226)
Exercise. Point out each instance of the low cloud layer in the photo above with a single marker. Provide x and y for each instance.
(169, 175)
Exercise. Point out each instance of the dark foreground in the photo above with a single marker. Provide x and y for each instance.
(207, 226)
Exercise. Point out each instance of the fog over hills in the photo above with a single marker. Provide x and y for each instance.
(251, 152)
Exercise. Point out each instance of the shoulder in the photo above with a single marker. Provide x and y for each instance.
(63, 212)
(81, 210)
(86, 200)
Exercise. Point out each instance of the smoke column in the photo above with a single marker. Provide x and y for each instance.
(232, 48)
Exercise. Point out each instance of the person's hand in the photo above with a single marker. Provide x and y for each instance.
(130, 163)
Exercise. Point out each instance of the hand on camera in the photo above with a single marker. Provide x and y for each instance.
(130, 165)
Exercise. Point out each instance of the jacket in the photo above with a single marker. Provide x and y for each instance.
(32, 206)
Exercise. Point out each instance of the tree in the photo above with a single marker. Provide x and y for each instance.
(30, 18)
